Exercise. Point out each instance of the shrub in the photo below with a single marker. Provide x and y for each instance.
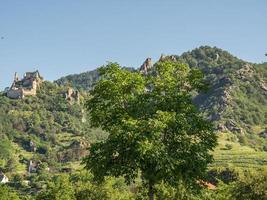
(251, 187)
(228, 146)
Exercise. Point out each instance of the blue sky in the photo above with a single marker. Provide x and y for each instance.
(61, 37)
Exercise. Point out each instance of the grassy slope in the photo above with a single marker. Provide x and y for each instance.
(239, 157)
(247, 107)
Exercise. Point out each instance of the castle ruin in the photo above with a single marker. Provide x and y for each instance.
(27, 86)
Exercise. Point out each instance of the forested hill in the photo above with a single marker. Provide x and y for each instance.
(83, 81)
(46, 129)
(236, 101)
(49, 133)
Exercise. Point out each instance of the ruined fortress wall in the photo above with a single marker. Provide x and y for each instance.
(25, 87)
(28, 92)
(15, 94)
(20, 93)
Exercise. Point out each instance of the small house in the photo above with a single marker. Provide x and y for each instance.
(3, 178)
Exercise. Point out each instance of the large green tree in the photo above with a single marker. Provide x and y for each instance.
(154, 128)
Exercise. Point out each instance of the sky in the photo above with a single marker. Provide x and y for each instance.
(62, 37)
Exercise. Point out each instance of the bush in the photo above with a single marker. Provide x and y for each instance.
(59, 189)
(222, 175)
(228, 146)
(251, 187)
(242, 140)
(7, 194)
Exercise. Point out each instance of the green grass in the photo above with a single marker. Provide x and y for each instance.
(21, 168)
(258, 129)
(66, 139)
(75, 165)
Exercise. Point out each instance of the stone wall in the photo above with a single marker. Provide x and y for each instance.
(15, 93)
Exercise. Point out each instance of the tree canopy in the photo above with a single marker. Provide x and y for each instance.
(154, 128)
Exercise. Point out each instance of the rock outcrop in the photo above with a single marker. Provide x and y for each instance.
(27, 86)
(171, 58)
(162, 58)
(146, 66)
(263, 134)
(245, 72)
(263, 85)
(72, 95)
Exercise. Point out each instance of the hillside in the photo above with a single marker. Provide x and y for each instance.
(84, 80)
(47, 130)
(49, 133)
(236, 101)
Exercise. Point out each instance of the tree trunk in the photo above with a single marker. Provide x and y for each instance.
(150, 191)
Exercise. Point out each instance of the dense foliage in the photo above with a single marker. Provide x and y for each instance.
(84, 80)
(6, 193)
(153, 125)
(81, 186)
